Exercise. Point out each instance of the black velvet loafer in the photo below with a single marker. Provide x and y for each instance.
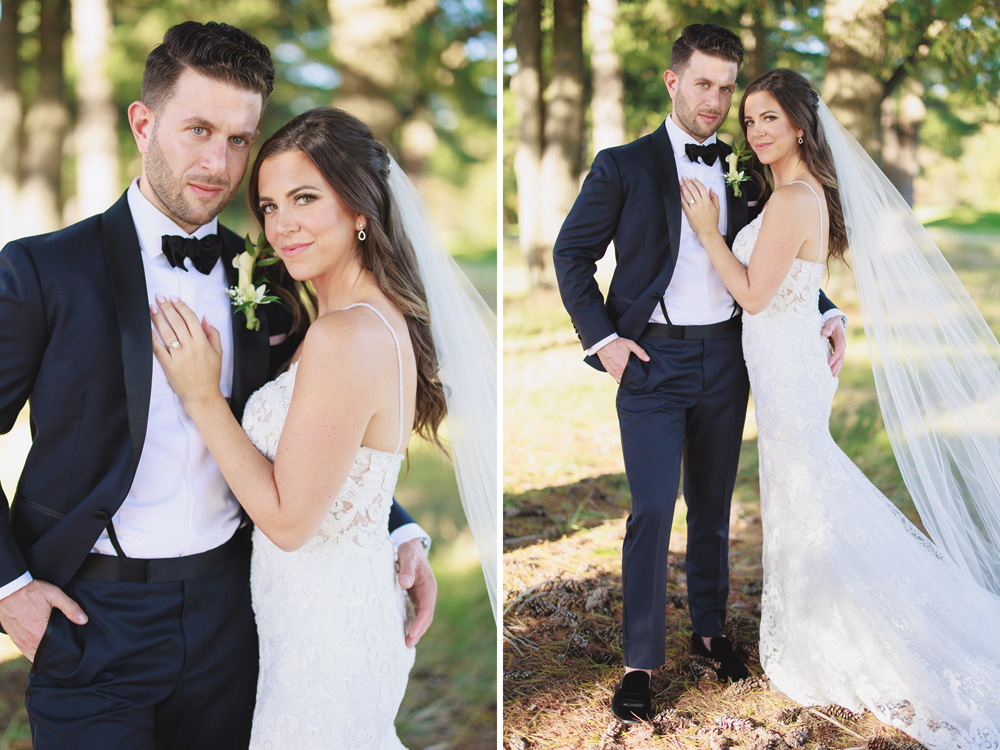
(632, 701)
(731, 667)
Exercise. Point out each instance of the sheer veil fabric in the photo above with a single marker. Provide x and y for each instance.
(936, 363)
(464, 331)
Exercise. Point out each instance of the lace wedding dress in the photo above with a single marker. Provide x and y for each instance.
(859, 608)
(330, 615)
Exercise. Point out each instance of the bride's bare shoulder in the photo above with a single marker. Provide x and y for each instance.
(357, 330)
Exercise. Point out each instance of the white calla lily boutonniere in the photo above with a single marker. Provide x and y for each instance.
(246, 295)
(734, 176)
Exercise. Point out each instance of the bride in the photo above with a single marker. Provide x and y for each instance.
(317, 464)
(859, 608)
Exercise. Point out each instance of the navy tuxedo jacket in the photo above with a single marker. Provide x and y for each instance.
(75, 339)
(632, 196)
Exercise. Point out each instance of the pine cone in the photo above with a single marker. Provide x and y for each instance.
(671, 721)
(599, 599)
(517, 674)
(839, 712)
(881, 742)
(576, 646)
(642, 732)
(789, 715)
(613, 730)
(735, 723)
(703, 669)
(748, 685)
(796, 736)
(719, 743)
(562, 618)
(768, 740)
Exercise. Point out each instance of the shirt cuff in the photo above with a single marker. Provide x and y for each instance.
(16, 585)
(833, 312)
(407, 533)
(600, 344)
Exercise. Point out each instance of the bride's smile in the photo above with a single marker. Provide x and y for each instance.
(305, 220)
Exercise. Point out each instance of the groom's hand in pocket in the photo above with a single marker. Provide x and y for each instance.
(26, 612)
(614, 356)
(416, 576)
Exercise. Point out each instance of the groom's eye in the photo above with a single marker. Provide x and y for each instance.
(199, 130)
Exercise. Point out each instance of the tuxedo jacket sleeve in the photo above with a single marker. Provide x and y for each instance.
(60, 346)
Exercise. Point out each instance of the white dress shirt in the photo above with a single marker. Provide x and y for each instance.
(179, 502)
(696, 295)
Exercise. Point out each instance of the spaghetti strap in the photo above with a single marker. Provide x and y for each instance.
(801, 182)
(399, 364)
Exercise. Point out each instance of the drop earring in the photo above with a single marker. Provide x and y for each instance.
(361, 235)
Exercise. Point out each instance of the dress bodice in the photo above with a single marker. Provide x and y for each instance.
(799, 292)
(360, 513)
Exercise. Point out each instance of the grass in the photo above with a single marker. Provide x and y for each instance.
(565, 504)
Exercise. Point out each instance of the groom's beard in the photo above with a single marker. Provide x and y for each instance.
(688, 119)
(169, 189)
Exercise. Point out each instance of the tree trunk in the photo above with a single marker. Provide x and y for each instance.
(901, 120)
(754, 34)
(526, 86)
(371, 42)
(45, 126)
(607, 102)
(96, 138)
(855, 32)
(563, 133)
(10, 122)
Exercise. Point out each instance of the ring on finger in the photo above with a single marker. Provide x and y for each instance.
(175, 344)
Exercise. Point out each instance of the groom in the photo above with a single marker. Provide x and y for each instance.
(124, 562)
(670, 334)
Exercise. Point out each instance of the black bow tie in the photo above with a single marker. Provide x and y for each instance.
(203, 252)
(708, 154)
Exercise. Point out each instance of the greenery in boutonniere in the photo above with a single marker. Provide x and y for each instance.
(735, 175)
(245, 295)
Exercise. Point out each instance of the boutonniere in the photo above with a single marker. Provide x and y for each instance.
(245, 295)
(735, 175)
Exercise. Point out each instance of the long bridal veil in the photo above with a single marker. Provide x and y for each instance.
(935, 360)
(464, 331)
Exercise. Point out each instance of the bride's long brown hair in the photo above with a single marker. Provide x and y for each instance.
(356, 166)
(799, 101)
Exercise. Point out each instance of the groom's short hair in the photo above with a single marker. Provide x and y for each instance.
(709, 39)
(216, 50)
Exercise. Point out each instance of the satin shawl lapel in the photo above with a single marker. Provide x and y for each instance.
(663, 156)
(123, 255)
(251, 350)
(736, 208)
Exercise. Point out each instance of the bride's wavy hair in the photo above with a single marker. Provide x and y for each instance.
(799, 101)
(356, 166)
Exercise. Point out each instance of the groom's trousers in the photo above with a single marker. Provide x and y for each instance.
(169, 665)
(687, 405)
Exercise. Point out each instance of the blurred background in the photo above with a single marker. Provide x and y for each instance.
(915, 81)
(423, 73)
